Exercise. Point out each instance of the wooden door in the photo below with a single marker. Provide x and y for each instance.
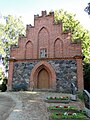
(43, 79)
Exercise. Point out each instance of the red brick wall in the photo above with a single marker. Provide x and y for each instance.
(10, 74)
(46, 34)
(80, 81)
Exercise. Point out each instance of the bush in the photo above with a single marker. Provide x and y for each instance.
(80, 95)
(87, 76)
(3, 87)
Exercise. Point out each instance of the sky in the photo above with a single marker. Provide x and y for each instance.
(28, 8)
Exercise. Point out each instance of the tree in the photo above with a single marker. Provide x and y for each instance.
(78, 32)
(9, 33)
(87, 76)
(1, 74)
(87, 9)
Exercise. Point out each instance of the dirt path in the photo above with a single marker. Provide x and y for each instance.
(6, 106)
(31, 105)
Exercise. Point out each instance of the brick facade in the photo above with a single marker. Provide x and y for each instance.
(45, 42)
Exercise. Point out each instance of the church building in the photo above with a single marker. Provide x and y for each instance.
(46, 58)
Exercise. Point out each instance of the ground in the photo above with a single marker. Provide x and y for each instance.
(31, 105)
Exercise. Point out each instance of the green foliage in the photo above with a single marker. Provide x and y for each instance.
(87, 76)
(78, 32)
(80, 95)
(1, 74)
(87, 71)
(3, 87)
(67, 115)
(9, 33)
(58, 98)
(14, 27)
(66, 107)
(3, 81)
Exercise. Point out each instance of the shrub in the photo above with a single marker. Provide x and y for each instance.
(80, 95)
(3, 87)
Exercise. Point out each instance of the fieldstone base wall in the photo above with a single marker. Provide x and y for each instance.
(66, 72)
(21, 75)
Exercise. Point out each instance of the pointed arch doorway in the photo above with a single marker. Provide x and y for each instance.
(43, 79)
(43, 76)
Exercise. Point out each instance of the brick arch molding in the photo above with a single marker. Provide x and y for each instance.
(27, 49)
(48, 68)
(60, 50)
(40, 30)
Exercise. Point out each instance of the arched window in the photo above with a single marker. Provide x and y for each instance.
(43, 43)
(29, 50)
(58, 48)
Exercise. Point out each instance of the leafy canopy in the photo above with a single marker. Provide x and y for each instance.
(9, 33)
(78, 32)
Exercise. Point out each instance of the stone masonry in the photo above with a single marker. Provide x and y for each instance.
(45, 54)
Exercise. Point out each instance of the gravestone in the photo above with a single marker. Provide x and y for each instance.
(87, 102)
(73, 92)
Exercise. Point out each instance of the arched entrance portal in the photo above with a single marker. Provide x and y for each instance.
(43, 76)
(43, 79)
